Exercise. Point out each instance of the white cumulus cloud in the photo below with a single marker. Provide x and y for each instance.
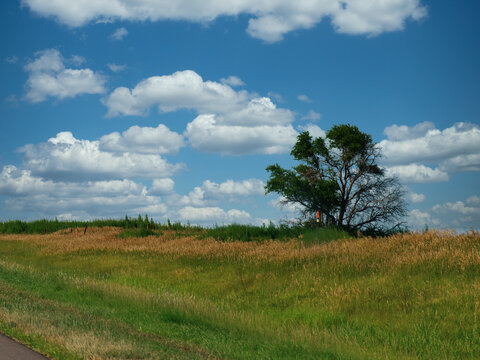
(161, 186)
(417, 174)
(66, 158)
(469, 208)
(72, 178)
(231, 188)
(145, 140)
(269, 20)
(411, 152)
(374, 17)
(459, 215)
(206, 133)
(416, 198)
(230, 122)
(424, 143)
(187, 90)
(48, 77)
(180, 90)
(419, 220)
(17, 182)
(460, 163)
(210, 193)
(88, 199)
(213, 214)
(403, 132)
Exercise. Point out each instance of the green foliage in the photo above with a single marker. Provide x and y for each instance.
(339, 177)
(51, 226)
(236, 232)
(349, 140)
(320, 235)
(246, 233)
(299, 187)
(176, 225)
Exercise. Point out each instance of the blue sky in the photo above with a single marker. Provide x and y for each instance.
(128, 107)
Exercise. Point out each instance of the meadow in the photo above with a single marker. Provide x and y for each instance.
(180, 292)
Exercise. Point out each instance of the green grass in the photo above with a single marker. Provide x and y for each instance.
(322, 235)
(236, 232)
(355, 299)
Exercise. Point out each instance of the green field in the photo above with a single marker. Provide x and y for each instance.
(181, 294)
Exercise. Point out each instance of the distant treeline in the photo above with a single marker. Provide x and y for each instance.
(50, 226)
(145, 226)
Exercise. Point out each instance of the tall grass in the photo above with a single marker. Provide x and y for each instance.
(176, 296)
(310, 236)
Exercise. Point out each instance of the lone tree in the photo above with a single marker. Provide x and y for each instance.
(339, 177)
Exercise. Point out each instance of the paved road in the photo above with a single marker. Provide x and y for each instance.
(11, 350)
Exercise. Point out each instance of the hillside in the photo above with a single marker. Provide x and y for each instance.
(179, 295)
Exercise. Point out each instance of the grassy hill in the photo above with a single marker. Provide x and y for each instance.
(193, 293)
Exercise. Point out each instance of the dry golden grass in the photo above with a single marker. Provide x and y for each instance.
(446, 247)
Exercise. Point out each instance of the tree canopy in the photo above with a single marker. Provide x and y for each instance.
(339, 177)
